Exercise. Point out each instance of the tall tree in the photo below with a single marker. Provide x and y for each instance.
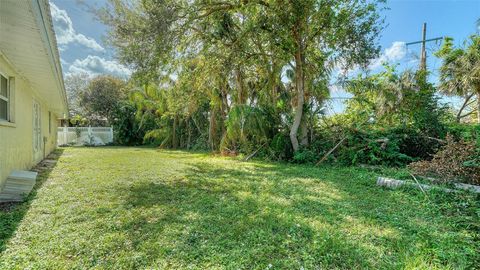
(460, 71)
(75, 85)
(316, 35)
(102, 96)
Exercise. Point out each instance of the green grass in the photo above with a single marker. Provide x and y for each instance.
(136, 208)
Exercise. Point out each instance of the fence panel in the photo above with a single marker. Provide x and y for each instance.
(84, 135)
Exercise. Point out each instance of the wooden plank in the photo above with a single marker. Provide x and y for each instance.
(17, 186)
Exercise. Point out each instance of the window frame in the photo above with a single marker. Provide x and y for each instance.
(6, 98)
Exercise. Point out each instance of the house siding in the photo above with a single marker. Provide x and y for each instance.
(16, 140)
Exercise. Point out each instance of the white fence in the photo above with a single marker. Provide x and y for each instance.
(84, 135)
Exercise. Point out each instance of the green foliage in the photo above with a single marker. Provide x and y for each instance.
(460, 71)
(247, 127)
(125, 125)
(102, 96)
(78, 120)
(305, 156)
(466, 132)
(361, 146)
(414, 142)
(232, 55)
(402, 108)
(157, 137)
(280, 147)
(373, 148)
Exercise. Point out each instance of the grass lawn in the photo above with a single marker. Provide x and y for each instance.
(135, 208)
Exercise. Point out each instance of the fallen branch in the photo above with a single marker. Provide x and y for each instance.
(384, 142)
(435, 139)
(419, 185)
(254, 152)
(394, 183)
(370, 167)
(472, 188)
(456, 184)
(331, 151)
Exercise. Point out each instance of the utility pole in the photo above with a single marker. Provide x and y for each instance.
(423, 53)
(423, 57)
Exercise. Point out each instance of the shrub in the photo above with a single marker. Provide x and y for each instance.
(373, 148)
(466, 132)
(125, 126)
(156, 137)
(415, 143)
(280, 147)
(305, 156)
(456, 160)
(247, 128)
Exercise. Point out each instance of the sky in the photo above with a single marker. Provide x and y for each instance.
(80, 39)
(80, 36)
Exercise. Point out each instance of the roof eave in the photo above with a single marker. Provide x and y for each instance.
(44, 20)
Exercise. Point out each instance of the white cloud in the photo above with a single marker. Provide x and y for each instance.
(394, 53)
(95, 65)
(66, 34)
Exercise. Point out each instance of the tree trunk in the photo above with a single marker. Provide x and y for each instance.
(478, 107)
(241, 95)
(212, 130)
(189, 131)
(299, 84)
(224, 109)
(197, 126)
(304, 132)
(174, 135)
(464, 105)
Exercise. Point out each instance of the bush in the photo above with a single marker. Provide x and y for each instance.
(466, 132)
(305, 156)
(281, 147)
(373, 148)
(156, 137)
(456, 160)
(125, 126)
(247, 128)
(416, 144)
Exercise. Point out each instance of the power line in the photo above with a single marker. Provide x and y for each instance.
(423, 55)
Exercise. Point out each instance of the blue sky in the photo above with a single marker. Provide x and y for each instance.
(456, 19)
(80, 40)
(82, 49)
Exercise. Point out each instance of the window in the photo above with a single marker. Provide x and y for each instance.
(4, 98)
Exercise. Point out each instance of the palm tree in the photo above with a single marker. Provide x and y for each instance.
(460, 71)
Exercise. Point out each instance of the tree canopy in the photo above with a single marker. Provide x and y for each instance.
(272, 59)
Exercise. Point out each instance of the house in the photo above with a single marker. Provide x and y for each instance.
(32, 93)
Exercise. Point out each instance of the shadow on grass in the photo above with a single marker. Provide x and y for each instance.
(11, 214)
(235, 218)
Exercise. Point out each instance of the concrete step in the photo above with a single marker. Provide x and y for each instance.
(17, 186)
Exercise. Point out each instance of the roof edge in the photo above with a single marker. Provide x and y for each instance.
(44, 21)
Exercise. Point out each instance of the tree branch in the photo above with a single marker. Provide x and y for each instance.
(464, 105)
